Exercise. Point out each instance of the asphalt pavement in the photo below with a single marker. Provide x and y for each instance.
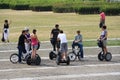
(88, 69)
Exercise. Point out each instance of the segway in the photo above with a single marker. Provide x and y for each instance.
(52, 55)
(75, 53)
(14, 58)
(103, 56)
(35, 61)
(59, 59)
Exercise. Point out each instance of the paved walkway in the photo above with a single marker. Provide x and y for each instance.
(88, 69)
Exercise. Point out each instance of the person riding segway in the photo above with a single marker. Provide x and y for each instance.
(34, 58)
(54, 42)
(77, 48)
(102, 42)
(62, 55)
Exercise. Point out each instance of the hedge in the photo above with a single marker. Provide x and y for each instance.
(41, 8)
(19, 6)
(63, 8)
(111, 9)
(88, 10)
(4, 6)
(60, 6)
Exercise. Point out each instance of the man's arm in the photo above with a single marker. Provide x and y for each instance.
(51, 34)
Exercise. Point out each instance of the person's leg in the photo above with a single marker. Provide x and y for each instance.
(5, 37)
(66, 49)
(58, 46)
(54, 44)
(73, 45)
(81, 50)
(62, 51)
(20, 53)
(105, 46)
(105, 50)
(32, 55)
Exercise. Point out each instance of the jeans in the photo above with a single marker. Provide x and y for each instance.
(21, 49)
(81, 48)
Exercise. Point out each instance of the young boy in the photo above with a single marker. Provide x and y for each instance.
(78, 42)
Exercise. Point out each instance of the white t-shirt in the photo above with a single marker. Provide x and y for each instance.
(62, 38)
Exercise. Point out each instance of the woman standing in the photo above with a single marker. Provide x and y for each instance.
(34, 43)
(6, 32)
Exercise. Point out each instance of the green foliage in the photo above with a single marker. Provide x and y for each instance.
(111, 9)
(63, 6)
(19, 6)
(4, 6)
(88, 10)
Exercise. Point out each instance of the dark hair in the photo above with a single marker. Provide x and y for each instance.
(104, 27)
(23, 31)
(6, 21)
(56, 26)
(61, 31)
(34, 31)
(78, 31)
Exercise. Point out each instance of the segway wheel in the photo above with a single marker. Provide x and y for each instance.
(14, 58)
(58, 60)
(52, 55)
(101, 56)
(68, 60)
(28, 61)
(38, 60)
(108, 56)
(72, 56)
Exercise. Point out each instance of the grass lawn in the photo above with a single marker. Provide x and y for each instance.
(69, 22)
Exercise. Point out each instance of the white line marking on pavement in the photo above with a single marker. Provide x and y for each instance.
(27, 69)
(68, 41)
(88, 56)
(49, 49)
(70, 76)
(41, 68)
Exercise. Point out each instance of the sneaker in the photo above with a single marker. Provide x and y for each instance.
(82, 59)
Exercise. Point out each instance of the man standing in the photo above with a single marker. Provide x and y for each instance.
(78, 42)
(102, 19)
(63, 44)
(53, 37)
(21, 44)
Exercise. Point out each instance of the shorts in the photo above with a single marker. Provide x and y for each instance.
(104, 43)
(63, 47)
(35, 46)
(102, 23)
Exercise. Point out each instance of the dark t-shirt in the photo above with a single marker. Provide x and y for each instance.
(55, 33)
(6, 26)
(21, 41)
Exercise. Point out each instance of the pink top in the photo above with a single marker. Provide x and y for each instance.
(102, 15)
(34, 41)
